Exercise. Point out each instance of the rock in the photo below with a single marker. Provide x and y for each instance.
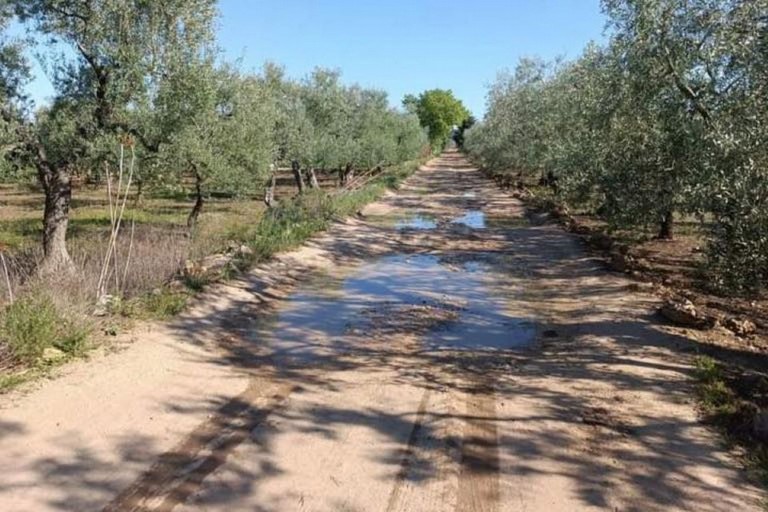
(682, 312)
(742, 327)
(580, 229)
(760, 425)
(601, 241)
(244, 250)
(192, 268)
(176, 285)
(53, 354)
(560, 211)
(620, 261)
(215, 262)
(104, 305)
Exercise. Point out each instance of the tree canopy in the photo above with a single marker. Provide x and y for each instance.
(439, 111)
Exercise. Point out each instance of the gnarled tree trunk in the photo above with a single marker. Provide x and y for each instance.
(296, 168)
(57, 186)
(198, 207)
(347, 173)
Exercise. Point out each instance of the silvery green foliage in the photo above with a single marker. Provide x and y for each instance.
(148, 75)
(14, 72)
(669, 116)
(324, 124)
(115, 63)
(226, 140)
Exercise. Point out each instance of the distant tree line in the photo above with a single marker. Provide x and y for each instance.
(666, 119)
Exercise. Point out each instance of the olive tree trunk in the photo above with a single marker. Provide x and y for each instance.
(346, 174)
(199, 201)
(296, 168)
(666, 226)
(57, 187)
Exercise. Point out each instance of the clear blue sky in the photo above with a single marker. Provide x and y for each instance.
(403, 46)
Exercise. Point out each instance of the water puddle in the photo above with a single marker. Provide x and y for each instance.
(438, 303)
(416, 222)
(474, 219)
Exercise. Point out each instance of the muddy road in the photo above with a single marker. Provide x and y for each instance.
(438, 353)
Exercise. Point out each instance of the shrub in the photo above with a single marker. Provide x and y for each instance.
(33, 323)
(29, 327)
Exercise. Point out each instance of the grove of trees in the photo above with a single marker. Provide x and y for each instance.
(148, 76)
(666, 119)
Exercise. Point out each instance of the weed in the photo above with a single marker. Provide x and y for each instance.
(33, 323)
(11, 380)
(721, 392)
(158, 305)
(29, 327)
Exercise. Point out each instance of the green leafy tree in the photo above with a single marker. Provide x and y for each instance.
(120, 51)
(438, 111)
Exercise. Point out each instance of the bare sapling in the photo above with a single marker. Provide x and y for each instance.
(7, 277)
(117, 200)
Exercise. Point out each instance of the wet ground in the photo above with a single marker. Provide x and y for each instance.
(435, 353)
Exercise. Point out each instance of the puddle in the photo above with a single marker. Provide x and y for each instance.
(474, 219)
(378, 304)
(416, 222)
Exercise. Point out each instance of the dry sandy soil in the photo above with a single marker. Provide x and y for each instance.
(437, 353)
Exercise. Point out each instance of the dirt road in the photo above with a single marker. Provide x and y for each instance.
(439, 353)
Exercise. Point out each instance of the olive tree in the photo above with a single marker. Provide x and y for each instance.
(226, 141)
(667, 118)
(14, 72)
(117, 53)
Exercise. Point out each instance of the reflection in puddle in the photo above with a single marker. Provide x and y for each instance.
(416, 222)
(474, 219)
(443, 305)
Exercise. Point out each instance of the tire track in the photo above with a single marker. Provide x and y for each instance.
(409, 453)
(177, 474)
(479, 475)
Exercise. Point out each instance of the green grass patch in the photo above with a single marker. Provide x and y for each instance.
(11, 380)
(158, 305)
(729, 399)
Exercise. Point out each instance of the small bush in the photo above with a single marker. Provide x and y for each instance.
(29, 327)
(33, 323)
